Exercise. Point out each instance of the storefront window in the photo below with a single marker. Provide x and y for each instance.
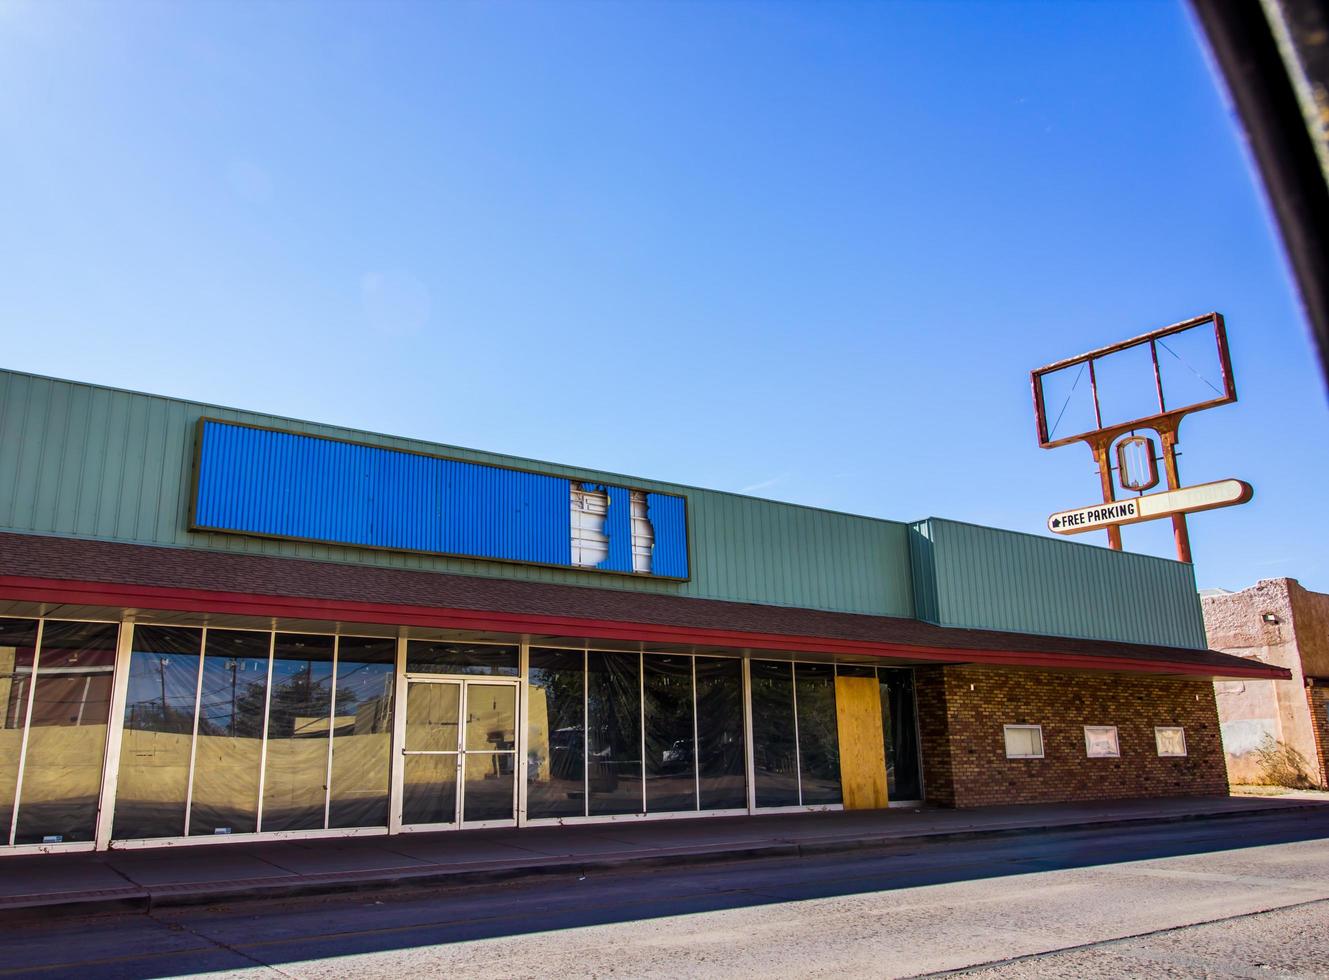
(228, 750)
(153, 783)
(899, 724)
(62, 765)
(426, 657)
(295, 771)
(556, 734)
(671, 777)
(721, 760)
(818, 734)
(362, 732)
(613, 711)
(18, 649)
(774, 747)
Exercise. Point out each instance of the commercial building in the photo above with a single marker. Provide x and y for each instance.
(1273, 729)
(216, 624)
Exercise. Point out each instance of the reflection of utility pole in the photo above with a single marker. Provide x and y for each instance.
(232, 666)
(161, 669)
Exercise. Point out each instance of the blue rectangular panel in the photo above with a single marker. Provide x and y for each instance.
(618, 528)
(289, 485)
(668, 516)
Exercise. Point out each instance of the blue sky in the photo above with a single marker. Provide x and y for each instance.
(804, 251)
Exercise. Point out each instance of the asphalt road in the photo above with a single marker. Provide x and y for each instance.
(1229, 897)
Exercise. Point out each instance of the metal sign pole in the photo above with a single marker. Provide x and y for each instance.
(1109, 492)
(1180, 533)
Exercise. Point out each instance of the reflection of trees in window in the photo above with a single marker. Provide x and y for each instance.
(613, 703)
(295, 770)
(818, 733)
(300, 704)
(555, 746)
(230, 728)
(721, 760)
(159, 720)
(775, 755)
(362, 726)
(670, 767)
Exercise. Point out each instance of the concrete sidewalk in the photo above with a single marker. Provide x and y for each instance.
(180, 875)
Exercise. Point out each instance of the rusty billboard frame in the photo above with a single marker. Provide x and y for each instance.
(1165, 421)
(1163, 417)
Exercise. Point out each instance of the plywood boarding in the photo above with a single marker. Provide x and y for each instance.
(862, 747)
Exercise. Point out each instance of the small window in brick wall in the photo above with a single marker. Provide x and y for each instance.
(1171, 740)
(1024, 741)
(1100, 742)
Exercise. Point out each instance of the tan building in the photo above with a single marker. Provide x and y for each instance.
(1274, 622)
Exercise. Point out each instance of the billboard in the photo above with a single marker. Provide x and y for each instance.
(278, 484)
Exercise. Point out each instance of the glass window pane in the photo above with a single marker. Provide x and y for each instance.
(903, 774)
(159, 726)
(230, 733)
(721, 761)
(425, 657)
(613, 696)
(775, 758)
(1170, 740)
(489, 786)
(18, 646)
(818, 734)
(1023, 742)
(491, 717)
(433, 713)
(429, 791)
(295, 773)
(62, 774)
(362, 732)
(671, 778)
(555, 735)
(1100, 741)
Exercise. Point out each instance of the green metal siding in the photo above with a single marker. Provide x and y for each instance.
(87, 461)
(984, 578)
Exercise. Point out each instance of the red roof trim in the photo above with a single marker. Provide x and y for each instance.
(269, 606)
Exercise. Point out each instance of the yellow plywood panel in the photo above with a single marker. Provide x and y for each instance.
(862, 752)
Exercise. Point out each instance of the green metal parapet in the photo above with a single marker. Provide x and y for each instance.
(970, 576)
(86, 461)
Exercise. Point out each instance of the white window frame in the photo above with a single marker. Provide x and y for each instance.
(1159, 745)
(1042, 748)
(1116, 742)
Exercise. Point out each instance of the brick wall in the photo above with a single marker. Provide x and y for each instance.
(933, 729)
(1317, 696)
(964, 756)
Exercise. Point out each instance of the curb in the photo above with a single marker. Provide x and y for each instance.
(142, 899)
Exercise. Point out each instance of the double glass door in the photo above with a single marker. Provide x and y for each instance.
(460, 765)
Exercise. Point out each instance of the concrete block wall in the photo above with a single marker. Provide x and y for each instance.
(962, 711)
(1296, 636)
